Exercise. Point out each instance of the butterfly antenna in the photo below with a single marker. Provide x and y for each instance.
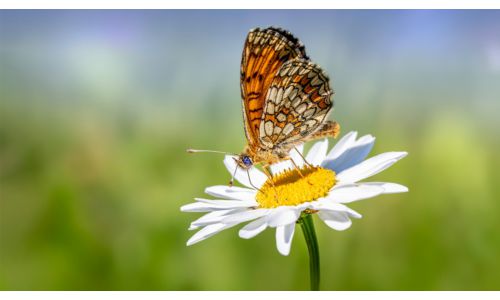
(209, 151)
(231, 182)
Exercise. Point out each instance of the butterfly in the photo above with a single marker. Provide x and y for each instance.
(286, 98)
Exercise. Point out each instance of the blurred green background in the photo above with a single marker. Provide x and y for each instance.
(98, 107)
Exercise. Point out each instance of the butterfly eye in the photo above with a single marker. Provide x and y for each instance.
(247, 161)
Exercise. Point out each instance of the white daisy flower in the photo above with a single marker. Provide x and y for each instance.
(325, 184)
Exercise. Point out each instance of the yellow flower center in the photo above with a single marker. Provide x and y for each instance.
(296, 186)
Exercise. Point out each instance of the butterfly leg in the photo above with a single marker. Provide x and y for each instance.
(250, 181)
(297, 168)
(265, 168)
(231, 182)
(303, 158)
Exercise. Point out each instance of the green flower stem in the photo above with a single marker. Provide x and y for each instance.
(307, 224)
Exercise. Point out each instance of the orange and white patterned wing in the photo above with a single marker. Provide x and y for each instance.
(296, 104)
(265, 51)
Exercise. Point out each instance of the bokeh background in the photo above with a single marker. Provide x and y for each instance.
(98, 107)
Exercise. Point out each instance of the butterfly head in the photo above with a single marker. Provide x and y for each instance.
(244, 161)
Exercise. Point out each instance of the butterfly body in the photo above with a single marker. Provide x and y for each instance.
(286, 98)
(251, 156)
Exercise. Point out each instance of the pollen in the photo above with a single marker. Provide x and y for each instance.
(296, 186)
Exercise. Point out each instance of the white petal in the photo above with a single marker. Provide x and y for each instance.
(389, 187)
(257, 178)
(205, 205)
(370, 167)
(226, 203)
(328, 205)
(333, 206)
(303, 206)
(253, 228)
(342, 145)
(193, 227)
(282, 215)
(207, 232)
(231, 192)
(351, 156)
(352, 192)
(284, 237)
(196, 207)
(244, 216)
(335, 220)
(213, 217)
(354, 214)
(281, 166)
(317, 154)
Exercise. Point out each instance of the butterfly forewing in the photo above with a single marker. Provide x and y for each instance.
(265, 51)
(296, 104)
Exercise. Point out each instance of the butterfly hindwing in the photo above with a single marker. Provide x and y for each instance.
(265, 51)
(296, 104)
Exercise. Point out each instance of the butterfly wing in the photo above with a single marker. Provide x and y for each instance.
(296, 104)
(265, 51)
